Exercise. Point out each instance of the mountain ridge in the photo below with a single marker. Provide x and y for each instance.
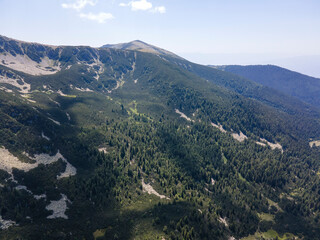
(303, 87)
(139, 45)
(240, 84)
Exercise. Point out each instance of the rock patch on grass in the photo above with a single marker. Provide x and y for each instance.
(149, 189)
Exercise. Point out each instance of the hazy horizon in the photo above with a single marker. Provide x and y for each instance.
(307, 65)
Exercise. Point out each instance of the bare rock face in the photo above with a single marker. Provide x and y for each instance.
(9, 77)
(58, 207)
(150, 190)
(5, 224)
(239, 137)
(8, 161)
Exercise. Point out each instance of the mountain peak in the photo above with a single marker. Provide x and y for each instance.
(138, 45)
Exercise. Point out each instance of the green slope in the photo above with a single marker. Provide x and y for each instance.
(205, 174)
(303, 87)
(249, 88)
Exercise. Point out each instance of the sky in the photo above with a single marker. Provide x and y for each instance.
(215, 32)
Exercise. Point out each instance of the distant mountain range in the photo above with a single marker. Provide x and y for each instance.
(291, 83)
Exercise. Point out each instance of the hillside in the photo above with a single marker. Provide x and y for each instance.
(103, 143)
(294, 84)
(245, 87)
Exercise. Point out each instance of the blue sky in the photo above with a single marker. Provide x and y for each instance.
(281, 32)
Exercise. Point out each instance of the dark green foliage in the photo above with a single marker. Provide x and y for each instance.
(206, 174)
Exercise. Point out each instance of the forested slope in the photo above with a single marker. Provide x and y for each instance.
(132, 146)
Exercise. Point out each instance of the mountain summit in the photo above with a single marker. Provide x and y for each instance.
(141, 46)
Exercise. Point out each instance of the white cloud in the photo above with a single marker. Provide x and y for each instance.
(143, 5)
(101, 17)
(79, 4)
(138, 5)
(160, 9)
